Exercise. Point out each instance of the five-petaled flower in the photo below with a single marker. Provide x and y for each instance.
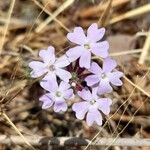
(91, 106)
(87, 45)
(50, 65)
(57, 95)
(102, 77)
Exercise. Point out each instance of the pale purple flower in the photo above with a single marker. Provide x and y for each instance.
(104, 76)
(51, 65)
(87, 45)
(91, 106)
(57, 96)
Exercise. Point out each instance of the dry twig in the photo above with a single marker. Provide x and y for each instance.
(73, 141)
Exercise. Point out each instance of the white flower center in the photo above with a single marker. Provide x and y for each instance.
(58, 94)
(51, 67)
(87, 46)
(103, 76)
(92, 102)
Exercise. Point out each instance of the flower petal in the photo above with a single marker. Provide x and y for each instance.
(50, 76)
(85, 60)
(95, 68)
(94, 116)
(47, 101)
(48, 56)
(100, 49)
(62, 62)
(104, 87)
(94, 34)
(63, 86)
(104, 105)
(74, 53)
(49, 85)
(94, 92)
(109, 64)
(85, 94)
(68, 94)
(92, 80)
(37, 73)
(81, 109)
(36, 65)
(60, 106)
(114, 78)
(38, 69)
(63, 74)
(77, 36)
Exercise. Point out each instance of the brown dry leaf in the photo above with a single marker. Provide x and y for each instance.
(120, 43)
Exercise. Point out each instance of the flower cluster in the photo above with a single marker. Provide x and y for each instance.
(76, 74)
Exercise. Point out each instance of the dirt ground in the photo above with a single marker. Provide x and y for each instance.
(23, 32)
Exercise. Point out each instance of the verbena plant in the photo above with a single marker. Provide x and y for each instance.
(76, 74)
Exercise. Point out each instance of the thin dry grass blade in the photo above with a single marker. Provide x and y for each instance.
(138, 11)
(126, 52)
(141, 34)
(106, 14)
(134, 51)
(101, 7)
(7, 24)
(146, 48)
(55, 19)
(65, 5)
(15, 128)
(137, 86)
